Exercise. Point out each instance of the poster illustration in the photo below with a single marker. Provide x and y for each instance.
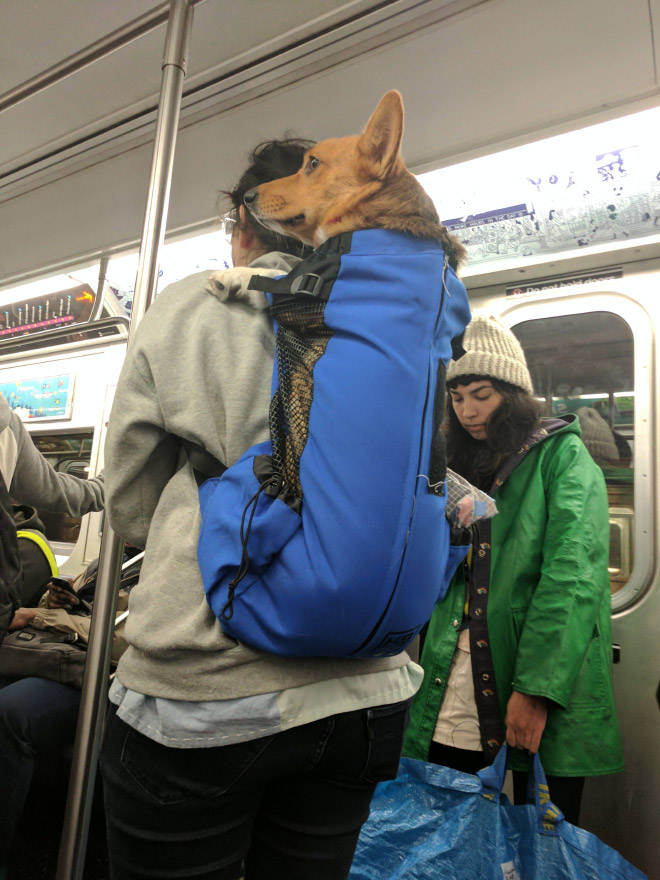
(553, 197)
(40, 399)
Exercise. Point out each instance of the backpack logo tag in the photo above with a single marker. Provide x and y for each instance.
(395, 642)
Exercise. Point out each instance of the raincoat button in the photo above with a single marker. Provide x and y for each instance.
(455, 624)
(438, 681)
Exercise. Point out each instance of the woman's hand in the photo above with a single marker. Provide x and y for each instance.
(525, 721)
(22, 617)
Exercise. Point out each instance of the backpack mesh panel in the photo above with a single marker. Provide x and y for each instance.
(302, 337)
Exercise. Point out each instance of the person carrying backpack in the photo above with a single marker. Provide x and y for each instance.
(26, 478)
(219, 759)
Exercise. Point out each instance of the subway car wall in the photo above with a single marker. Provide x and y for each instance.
(563, 237)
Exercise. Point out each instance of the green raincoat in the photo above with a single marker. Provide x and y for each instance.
(548, 611)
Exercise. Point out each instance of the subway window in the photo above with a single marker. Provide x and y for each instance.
(68, 453)
(584, 364)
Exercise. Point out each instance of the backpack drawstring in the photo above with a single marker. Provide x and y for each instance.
(273, 482)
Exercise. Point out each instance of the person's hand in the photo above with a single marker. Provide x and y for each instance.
(23, 617)
(59, 598)
(525, 721)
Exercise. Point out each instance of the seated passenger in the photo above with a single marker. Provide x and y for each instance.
(520, 648)
(598, 437)
(28, 478)
(36, 557)
(38, 717)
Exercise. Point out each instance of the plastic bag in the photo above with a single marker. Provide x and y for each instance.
(465, 503)
(434, 823)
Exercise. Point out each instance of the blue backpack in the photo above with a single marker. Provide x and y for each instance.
(331, 538)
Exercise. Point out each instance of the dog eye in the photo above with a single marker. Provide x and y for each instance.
(312, 164)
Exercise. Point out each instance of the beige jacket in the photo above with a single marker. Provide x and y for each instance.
(60, 620)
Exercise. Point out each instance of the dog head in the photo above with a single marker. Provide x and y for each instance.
(351, 183)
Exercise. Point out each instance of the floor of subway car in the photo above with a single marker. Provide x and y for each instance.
(36, 846)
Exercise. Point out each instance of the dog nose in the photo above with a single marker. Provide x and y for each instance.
(250, 196)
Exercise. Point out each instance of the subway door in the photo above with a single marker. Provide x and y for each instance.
(592, 355)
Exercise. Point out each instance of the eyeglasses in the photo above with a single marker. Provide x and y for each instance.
(229, 223)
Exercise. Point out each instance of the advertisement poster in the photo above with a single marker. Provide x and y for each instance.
(587, 188)
(40, 399)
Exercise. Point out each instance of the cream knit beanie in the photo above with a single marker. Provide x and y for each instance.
(597, 435)
(491, 350)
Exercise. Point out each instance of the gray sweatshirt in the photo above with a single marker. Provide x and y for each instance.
(199, 369)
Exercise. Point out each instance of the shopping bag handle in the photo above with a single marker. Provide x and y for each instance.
(548, 816)
(492, 777)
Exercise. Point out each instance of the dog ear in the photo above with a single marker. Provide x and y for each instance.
(380, 142)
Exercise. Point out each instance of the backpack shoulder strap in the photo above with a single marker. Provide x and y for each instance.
(313, 276)
(43, 545)
(38, 565)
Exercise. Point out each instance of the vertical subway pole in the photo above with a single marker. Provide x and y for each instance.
(97, 308)
(174, 72)
(73, 844)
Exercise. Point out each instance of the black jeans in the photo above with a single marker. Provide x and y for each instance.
(284, 807)
(37, 720)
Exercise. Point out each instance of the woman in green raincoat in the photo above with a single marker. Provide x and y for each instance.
(520, 648)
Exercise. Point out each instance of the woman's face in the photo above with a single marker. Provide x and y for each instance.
(474, 405)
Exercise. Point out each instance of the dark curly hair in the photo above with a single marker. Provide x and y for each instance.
(508, 426)
(268, 161)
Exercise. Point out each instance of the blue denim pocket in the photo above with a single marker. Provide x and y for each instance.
(173, 776)
(386, 726)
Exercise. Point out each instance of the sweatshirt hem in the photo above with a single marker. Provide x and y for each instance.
(263, 674)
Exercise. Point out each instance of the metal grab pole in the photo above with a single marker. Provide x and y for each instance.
(73, 844)
(97, 308)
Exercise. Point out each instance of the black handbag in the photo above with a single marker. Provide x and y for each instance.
(58, 656)
(47, 654)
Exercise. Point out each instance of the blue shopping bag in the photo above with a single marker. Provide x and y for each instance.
(433, 823)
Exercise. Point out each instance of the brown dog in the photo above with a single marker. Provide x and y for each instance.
(351, 183)
(344, 185)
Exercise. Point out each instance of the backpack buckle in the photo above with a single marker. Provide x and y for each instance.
(311, 284)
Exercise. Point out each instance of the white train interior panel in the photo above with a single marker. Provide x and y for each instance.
(534, 126)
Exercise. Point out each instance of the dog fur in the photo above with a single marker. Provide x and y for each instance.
(351, 183)
(231, 284)
(344, 185)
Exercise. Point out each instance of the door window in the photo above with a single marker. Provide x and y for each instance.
(584, 364)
